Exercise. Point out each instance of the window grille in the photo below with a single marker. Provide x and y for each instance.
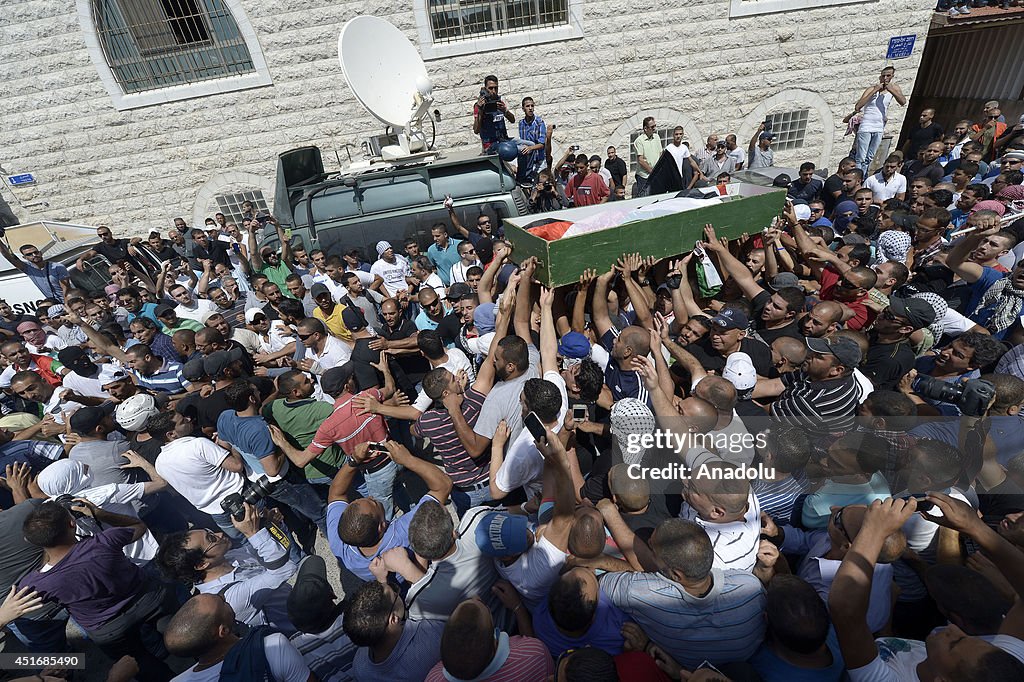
(789, 129)
(454, 20)
(231, 204)
(152, 44)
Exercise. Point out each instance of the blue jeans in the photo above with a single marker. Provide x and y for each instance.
(866, 147)
(303, 500)
(379, 485)
(467, 499)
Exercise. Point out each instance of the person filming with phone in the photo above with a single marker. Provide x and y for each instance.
(759, 151)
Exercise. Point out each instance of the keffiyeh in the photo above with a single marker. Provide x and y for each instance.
(893, 245)
(631, 417)
(1008, 302)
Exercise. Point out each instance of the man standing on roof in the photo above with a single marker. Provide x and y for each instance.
(52, 279)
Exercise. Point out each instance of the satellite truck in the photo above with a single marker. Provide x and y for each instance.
(398, 192)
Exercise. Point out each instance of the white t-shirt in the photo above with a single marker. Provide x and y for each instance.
(680, 154)
(278, 336)
(284, 663)
(458, 271)
(897, 661)
(200, 312)
(456, 360)
(53, 342)
(393, 274)
(534, 572)
(874, 113)
(523, 464)
(191, 466)
(124, 499)
(434, 282)
(739, 157)
(336, 353)
(736, 542)
(883, 190)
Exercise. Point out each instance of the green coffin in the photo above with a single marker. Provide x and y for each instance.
(749, 208)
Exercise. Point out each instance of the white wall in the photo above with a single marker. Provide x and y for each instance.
(138, 168)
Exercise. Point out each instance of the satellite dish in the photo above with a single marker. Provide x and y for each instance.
(388, 77)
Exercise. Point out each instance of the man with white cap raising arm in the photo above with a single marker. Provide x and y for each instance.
(391, 268)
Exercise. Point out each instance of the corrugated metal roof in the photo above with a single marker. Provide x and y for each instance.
(963, 52)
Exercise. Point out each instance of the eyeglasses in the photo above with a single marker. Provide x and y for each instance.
(103, 234)
(212, 541)
(817, 210)
(259, 320)
(303, 337)
(30, 254)
(466, 252)
(837, 521)
(484, 222)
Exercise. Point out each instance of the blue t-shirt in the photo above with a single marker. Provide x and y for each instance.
(250, 436)
(423, 321)
(623, 383)
(148, 310)
(604, 633)
(47, 279)
(771, 668)
(395, 535)
(444, 260)
(989, 276)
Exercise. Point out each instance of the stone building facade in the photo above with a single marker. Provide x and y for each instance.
(105, 148)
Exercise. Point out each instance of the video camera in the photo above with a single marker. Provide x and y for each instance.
(972, 397)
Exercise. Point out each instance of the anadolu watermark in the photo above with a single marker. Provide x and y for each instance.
(678, 471)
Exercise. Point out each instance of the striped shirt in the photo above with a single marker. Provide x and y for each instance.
(328, 654)
(528, 661)
(820, 406)
(346, 428)
(622, 383)
(735, 542)
(436, 424)
(776, 498)
(725, 625)
(167, 379)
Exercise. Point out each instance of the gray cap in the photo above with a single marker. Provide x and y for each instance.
(784, 280)
(846, 350)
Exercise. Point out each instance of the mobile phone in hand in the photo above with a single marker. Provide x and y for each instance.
(535, 427)
(579, 412)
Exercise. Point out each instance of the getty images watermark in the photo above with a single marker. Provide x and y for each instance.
(728, 446)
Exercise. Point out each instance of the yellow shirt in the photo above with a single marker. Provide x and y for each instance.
(334, 323)
(649, 149)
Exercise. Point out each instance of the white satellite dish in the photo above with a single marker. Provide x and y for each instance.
(387, 76)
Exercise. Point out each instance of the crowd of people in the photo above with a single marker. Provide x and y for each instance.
(797, 455)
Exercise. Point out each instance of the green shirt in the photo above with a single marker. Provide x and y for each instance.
(278, 274)
(649, 149)
(299, 419)
(185, 323)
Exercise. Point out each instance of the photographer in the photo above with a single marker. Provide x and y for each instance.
(490, 113)
(547, 194)
(252, 580)
(955, 364)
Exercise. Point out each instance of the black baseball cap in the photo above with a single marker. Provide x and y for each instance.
(311, 605)
(846, 350)
(333, 381)
(353, 319)
(218, 361)
(86, 419)
(459, 291)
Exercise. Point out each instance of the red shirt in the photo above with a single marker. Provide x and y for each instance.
(528, 661)
(862, 315)
(586, 191)
(347, 429)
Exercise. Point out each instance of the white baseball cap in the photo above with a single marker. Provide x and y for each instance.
(740, 372)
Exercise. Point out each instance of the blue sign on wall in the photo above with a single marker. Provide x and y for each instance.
(900, 47)
(22, 179)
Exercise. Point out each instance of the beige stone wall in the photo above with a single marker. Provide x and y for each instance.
(138, 168)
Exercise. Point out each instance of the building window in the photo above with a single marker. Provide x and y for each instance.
(231, 204)
(151, 44)
(789, 128)
(452, 20)
(664, 134)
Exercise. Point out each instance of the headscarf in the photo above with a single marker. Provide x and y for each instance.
(941, 308)
(631, 417)
(1008, 301)
(1011, 193)
(64, 477)
(990, 205)
(841, 223)
(893, 245)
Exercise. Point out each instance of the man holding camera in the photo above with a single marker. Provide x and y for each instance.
(490, 113)
(547, 194)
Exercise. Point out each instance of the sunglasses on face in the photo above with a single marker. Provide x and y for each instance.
(837, 521)
(303, 337)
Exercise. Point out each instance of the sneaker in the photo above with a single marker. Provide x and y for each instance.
(953, 14)
(966, 9)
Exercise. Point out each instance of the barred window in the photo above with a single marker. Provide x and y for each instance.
(231, 204)
(789, 128)
(454, 20)
(150, 44)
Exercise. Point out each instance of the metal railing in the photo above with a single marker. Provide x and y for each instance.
(454, 20)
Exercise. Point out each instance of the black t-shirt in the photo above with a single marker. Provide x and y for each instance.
(448, 328)
(113, 252)
(215, 251)
(617, 167)
(644, 523)
(713, 361)
(205, 411)
(833, 184)
(914, 169)
(269, 311)
(792, 329)
(922, 137)
(886, 363)
(404, 331)
(12, 325)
